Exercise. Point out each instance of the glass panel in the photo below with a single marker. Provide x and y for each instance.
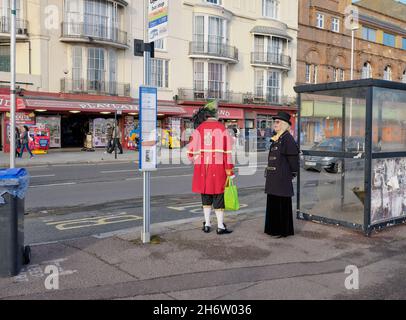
(332, 195)
(332, 186)
(389, 120)
(388, 200)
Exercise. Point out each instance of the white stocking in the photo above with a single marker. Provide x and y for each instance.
(220, 219)
(207, 212)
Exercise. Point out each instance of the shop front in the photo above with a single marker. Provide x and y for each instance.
(72, 118)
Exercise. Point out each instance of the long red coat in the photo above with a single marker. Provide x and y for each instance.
(210, 150)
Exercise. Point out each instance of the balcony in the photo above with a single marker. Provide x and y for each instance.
(233, 97)
(271, 59)
(219, 51)
(81, 32)
(21, 27)
(95, 87)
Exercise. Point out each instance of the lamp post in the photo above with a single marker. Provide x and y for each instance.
(13, 85)
(354, 27)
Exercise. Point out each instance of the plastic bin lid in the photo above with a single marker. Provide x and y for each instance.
(15, 173)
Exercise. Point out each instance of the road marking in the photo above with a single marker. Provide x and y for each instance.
(43, 176)
(93, 222)
(159, 177)
(258, 165)
(197, 207)
(54, 185)
(119, 171)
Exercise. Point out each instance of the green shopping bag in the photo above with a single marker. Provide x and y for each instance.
(232, 203)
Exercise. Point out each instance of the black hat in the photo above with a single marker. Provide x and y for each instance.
(284, 116)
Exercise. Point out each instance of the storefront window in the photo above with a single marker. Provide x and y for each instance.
(389, 120)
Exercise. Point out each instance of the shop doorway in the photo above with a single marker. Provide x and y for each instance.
(74, 129)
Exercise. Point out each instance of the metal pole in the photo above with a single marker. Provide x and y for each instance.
(146, 234)
(13, 84)
(352, 53)
(115, 135)
(352, 77)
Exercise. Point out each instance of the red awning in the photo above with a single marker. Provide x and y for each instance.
(5, 102)
(86, 106)
(224, 113)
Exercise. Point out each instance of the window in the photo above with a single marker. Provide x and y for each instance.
(404, 43)
(268, 84)
(308, 73)
(216, 81)
(77, 84)
(159, 71)
(5, 9)
(338, 74)
(5, 58)
(273, 86)
(369, 34)
(218, 2)
(387, 74)
(216, 32)
(96, 69)
(270, 8)
(388, 39)
(366, 71)
(335, 25)
(113, 71)
(320, 21)
(198, 76)
(160, 44)
(259, 83)
(404, 76)
(315, 73)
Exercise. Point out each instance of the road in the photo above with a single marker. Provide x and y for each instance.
(70, 201)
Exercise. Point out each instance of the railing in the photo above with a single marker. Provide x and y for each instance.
(95, 87)
(233, 97)
(95, 32)
(269, 58)
(213, 49)
(21, 26)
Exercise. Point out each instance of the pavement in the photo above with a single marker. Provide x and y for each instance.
(183, 263)
(69, 156)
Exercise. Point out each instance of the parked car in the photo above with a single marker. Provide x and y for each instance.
(334, 164)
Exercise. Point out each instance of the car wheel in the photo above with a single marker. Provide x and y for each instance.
(337, 168)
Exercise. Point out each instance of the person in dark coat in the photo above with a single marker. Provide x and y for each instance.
(283, 166)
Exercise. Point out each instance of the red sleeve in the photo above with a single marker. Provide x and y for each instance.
(228, 151)
(194, 146)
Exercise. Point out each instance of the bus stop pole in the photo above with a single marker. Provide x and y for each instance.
(13, 85)
(146, 233)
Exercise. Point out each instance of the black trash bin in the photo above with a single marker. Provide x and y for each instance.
(13, 253)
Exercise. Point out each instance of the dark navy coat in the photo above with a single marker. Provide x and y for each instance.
(283, 166)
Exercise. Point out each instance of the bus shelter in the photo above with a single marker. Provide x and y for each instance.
(353, 153)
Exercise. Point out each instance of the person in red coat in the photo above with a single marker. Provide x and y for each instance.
(210, 150)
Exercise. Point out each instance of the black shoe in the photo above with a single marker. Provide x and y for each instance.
(224, 231)
(206, 229)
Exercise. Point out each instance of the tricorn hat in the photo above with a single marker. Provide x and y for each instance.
(284, 116)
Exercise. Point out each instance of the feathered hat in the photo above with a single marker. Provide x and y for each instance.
(209, 110)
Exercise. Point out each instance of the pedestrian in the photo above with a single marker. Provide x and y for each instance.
(117, 138)
(283, 166)
(25, 141)
(210, 150)
(109, 138)
(18, 142)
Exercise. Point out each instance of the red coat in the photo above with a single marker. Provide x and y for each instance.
(210, 150)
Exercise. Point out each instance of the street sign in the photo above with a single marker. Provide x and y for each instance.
(148, 129)
(157, 19)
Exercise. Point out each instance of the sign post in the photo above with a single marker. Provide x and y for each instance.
(156, 24)
(148, 149)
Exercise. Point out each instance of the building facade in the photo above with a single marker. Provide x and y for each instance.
(76, 65)
(324, 54)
